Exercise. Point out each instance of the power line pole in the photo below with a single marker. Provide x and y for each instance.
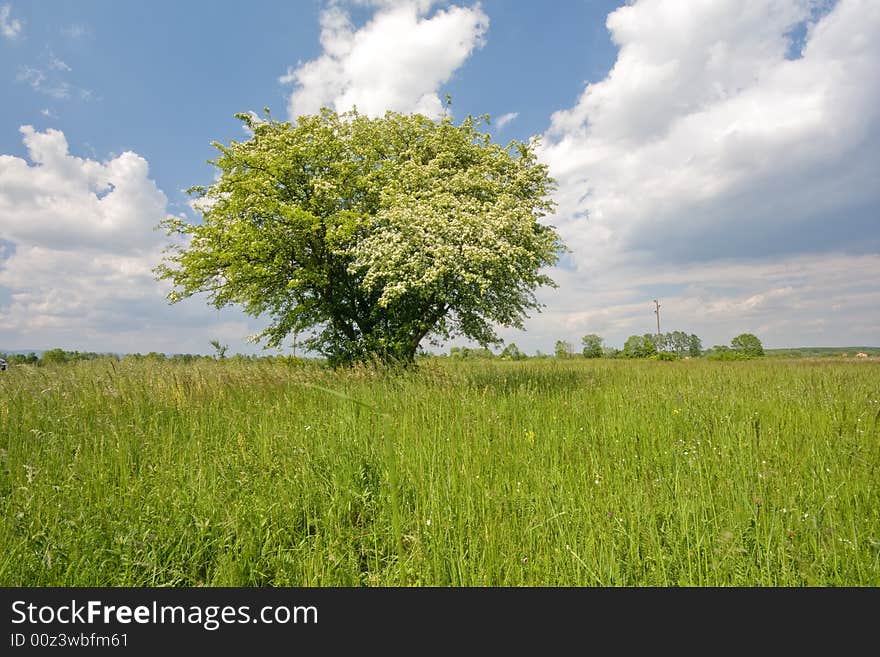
(657, 312)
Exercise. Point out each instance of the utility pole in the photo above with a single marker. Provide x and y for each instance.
(657, 312)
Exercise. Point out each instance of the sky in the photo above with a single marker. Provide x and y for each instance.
(719, 156)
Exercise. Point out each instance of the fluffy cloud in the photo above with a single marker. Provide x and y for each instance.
(706, 140)
(62, 201)
(77, 248)
(11, 28)
(82, 236)
(396, 61)
(717, 139)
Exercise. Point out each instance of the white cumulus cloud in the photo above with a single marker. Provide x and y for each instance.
(396, 61)
(721, 144)
(704, 132)
(61, 200)
(82, 242)
(78, 244)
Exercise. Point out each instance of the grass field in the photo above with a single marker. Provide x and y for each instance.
(543, 472)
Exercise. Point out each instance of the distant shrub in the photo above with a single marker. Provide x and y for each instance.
(53, 356)
(466, 353)
(512, 352)
(20, 359)
(665, 355)
(723, 352)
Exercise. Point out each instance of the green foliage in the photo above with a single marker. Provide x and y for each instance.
(20, 359)
(563, 349)
(512, 352)
(375, 233)
(748, 345)
(219, 349)
(665, 355)
(58, 356)
(639, 346)
(52, 356)
(468, 353)
(184, 358)
(678, 342)
(592, 345)
(723, 352)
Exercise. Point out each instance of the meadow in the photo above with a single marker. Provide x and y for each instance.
(486, 473)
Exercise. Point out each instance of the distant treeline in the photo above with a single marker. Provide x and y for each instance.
(57, 356)
(668, 346)
(818, 352)
(664, 346)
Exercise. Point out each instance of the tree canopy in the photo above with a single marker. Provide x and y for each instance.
(639, 346)
(592, 346)
(747, 344)
(369, 234)
(512, 352)
(563, 349)
(679, 343)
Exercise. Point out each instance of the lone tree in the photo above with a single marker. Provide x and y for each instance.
(592, 344)
(374, 233)
(563, 349)
(748, 345)
(219, 349)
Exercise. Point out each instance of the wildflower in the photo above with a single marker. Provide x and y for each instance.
(676, 411)
(428, 522)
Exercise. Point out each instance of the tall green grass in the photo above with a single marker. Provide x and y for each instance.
(561, 473)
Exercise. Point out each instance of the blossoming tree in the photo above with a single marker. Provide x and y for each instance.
(373, 234)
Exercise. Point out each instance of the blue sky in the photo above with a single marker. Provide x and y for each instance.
(719, 156)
